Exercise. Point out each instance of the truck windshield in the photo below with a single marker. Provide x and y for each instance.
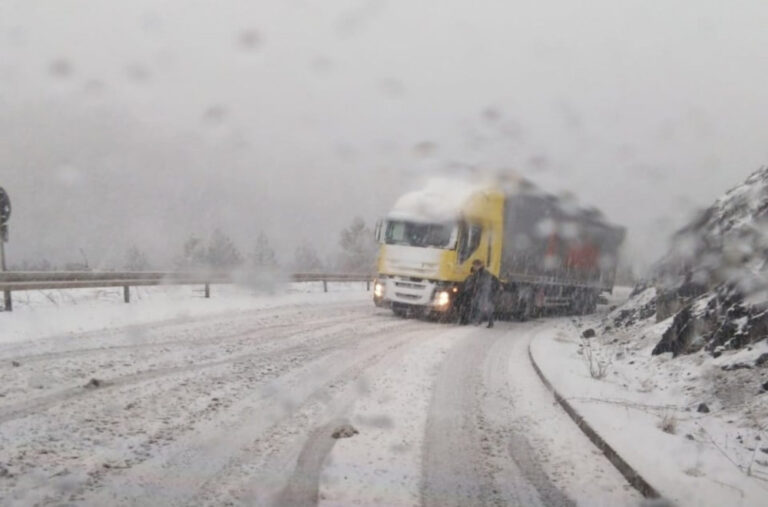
(420, 234)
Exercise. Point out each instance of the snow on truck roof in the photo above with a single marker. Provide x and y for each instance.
(441, 200)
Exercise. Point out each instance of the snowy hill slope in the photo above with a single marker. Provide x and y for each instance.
(714, 281)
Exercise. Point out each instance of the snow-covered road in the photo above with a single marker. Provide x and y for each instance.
(239, 408)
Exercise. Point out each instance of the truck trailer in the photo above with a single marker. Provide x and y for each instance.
(547, 252)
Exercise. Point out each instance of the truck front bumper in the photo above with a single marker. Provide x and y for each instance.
(392, 291)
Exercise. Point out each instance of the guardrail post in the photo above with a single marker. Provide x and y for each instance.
(325, 285)
(207, 291)
(126, 294)
(368, 285)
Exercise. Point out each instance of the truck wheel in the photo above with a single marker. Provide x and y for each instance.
(525, 310)
(400, 312)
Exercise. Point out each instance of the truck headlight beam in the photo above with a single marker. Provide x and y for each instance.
(443, 298)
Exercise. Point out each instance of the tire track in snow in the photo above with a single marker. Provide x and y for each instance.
(469, 452)
(41, 403)
(304, 484)
(453, 471)
(223, 451)
(267, 471)
(513, 460)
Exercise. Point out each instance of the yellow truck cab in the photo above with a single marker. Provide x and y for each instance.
(429, 241)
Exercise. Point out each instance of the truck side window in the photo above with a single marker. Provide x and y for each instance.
(470, 241)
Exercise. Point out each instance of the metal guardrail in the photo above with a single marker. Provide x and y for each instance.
(11, 281)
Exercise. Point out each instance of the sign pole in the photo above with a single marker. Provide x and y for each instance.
(5, 215)
(8, 302)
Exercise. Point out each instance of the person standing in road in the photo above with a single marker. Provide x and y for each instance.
(466, 299)
(483, 287)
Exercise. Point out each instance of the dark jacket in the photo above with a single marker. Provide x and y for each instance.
(482, 288)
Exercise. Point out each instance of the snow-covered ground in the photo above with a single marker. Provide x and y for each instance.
(647, 407)
(178, 400)
(39, 314)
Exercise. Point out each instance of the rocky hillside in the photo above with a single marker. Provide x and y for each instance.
(713, 284)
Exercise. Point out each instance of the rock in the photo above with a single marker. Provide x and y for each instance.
(94, 383)
(736, 366)
(689, 437)
(703, 408)
(762, 360)
(589, 333)
(764, 450)
(765, 387)
(15, 364)
(679, 335)
(344, 431)
(4, 472)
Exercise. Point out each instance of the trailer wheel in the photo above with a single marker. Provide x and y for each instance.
(525, 307)
(585, 302)
(592, 302)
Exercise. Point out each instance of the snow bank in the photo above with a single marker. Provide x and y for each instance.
(689, 426)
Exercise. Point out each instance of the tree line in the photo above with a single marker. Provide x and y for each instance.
(219, 252)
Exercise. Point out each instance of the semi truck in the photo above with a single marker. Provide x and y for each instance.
(547, 252)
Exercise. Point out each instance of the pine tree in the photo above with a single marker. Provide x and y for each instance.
(358, 247)
(194, 256)
(222, 252)
(306, 260)
(263, 256)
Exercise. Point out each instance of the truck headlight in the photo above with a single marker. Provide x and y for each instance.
(443, 298)
(378, 289)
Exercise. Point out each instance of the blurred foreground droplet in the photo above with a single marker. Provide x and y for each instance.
(425, 148)
(137, 72)
(249, 40)
(491, 114)
(392, 88)
(215, 114)
(60, 68)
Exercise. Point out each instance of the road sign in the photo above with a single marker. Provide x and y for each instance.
(5, 207)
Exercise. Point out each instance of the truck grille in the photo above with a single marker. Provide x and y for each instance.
(409, 285)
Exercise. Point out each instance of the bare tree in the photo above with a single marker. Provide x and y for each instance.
(136, 260)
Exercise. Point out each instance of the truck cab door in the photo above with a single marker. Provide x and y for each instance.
(471, 234)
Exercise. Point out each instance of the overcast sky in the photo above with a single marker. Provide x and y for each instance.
(143, 122)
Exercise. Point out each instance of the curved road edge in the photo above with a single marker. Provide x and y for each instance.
(633, 476)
